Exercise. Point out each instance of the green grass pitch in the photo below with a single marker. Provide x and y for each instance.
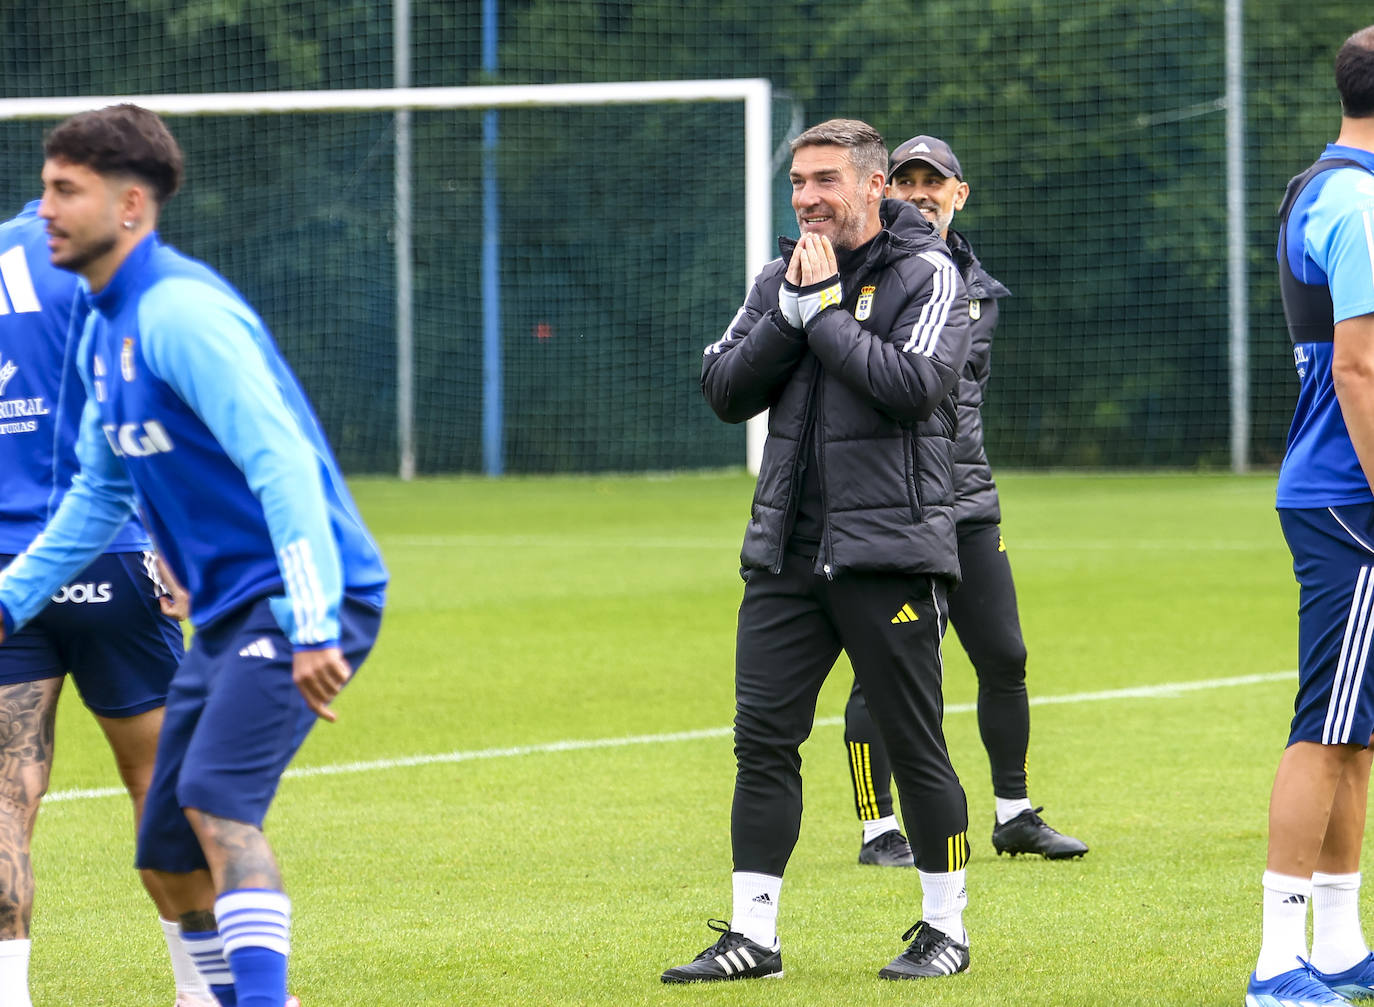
(454, 850)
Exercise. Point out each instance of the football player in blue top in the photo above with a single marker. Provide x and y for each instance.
(194, 419)
(1326, 509)
(107, 626)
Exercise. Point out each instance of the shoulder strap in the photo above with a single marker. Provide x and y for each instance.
(1306, 307)
(1299, 182)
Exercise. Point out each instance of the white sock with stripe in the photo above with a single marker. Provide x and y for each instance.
(755, 912)
(206, 951)
(184, 972)
(1285, 924)
(14, 973)
(1337, 938)
(879, 827)
(943, 898)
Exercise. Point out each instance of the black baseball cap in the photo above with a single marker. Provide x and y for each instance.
(930, 149)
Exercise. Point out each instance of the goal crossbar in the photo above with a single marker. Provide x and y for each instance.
(754, 93)
(395, 98)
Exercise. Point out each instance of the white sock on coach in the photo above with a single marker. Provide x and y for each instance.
(14, 973)
(1009, 807)
(943, 898)
(1285, 924)
(880, 826)
(1337, 939)
(755, 912)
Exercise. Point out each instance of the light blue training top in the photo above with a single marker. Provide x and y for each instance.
(194, 417)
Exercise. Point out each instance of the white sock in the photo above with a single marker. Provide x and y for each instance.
(206, 951)
(184, 972)
(755, 913)
(1337, 938)
(943, 898)
(880, 826)
(14, 973)
(1009, 807)
(1285, 924)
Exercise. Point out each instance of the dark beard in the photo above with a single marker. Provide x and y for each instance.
(85, 256)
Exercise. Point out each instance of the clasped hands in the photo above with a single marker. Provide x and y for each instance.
(812, 265)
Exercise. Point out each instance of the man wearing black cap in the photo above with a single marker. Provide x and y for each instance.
(924, 171)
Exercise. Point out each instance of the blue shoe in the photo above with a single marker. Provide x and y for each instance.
(1355, 983)
(1295, 988)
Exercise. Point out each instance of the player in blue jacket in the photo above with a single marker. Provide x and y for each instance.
(194, 418)
(107, 626)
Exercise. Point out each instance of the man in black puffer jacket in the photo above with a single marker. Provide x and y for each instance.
(924, 172)
(853, 341)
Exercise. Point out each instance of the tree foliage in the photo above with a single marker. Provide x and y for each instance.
(1091, 131)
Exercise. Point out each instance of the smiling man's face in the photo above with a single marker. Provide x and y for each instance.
(829, 198)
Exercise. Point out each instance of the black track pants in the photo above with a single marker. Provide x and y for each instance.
(984, 614)
(792, 627)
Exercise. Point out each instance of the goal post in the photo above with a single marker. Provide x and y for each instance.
(754, 181)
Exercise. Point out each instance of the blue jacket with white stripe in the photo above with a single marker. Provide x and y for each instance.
(40, 394)
(193, 416)
(869, 384)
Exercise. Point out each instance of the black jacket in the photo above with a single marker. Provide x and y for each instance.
(975, 491)
(874, 375)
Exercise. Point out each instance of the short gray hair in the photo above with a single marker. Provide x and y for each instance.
(867, 151)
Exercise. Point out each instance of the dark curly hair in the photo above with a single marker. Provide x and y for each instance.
(120, 140)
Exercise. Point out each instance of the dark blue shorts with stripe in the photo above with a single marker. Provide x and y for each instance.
(1333, 560)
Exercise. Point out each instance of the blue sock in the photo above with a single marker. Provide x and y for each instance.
(255, 925)
(259, 976)
(207, 953)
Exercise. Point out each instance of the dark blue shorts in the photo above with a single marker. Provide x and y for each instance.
(107, 630)
(234, 721)
(1333, 560)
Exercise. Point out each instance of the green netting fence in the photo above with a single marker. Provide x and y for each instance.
(1092, 133)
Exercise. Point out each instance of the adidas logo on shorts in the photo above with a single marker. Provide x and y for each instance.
(261, 647)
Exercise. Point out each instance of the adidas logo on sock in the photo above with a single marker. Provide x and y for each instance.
(762, 900)
(1295, 900)
(261, 647)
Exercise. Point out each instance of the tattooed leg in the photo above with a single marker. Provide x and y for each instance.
(189, 898)
(252, 911)
(199, 920)
(237, 852)
(27, 712)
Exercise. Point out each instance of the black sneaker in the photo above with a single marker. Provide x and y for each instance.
(888, 850)
(1028, 833)
(932, 953)
(734, 956)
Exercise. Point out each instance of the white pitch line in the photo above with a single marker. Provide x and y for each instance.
(601, 542)
(1168, 690)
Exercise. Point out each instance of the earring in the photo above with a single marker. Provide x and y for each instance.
(128, 225)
